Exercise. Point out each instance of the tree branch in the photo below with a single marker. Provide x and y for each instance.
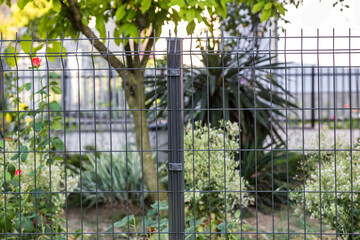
(148, 48)
(74, 15)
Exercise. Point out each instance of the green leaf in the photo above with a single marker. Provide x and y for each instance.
(2, 143)
(12, 55)
(56, 6)
(56, 90)
(26, 86)
(237, 214)
(23, 149)
(22, 3)
(122, 222)
(55, 106)
(100, 25)
(56, 125)
(145, 5)
(11, 169)
(7, 176)
(55, 50)
(24, 157)
(15, 181)
(130, 30)
(190, 27)
(59, 144)
(117, 36)
(268, 6)
(54, 75)
(190, 14)
(26, 43)
(16, 156)
(180, 3)
(27, 225)
(265, 15)
(120, 12)
(257, 7)
(38, 126)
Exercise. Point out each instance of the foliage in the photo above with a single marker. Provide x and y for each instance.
(210, 165)
(330, 188)
(228, 79)
(132, 19)
(29, 162)
(42, 182)
(155, 226)
(107, 172)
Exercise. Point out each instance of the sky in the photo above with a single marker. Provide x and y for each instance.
(315, 17)
(311, 16)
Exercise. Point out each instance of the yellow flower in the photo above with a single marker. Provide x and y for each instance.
(22, 106)
(8, 118)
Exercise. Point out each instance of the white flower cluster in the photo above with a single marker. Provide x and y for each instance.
(210, 165)
(330, 188)
(49, 177)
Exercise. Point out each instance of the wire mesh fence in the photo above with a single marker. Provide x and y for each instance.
(190, 138)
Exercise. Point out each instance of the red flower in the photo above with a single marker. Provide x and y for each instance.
(18, 172)
(149, 231)
(36, 62)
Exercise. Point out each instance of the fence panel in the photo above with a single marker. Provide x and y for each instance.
(189, 138)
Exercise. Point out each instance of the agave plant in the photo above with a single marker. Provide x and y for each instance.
(241, 86)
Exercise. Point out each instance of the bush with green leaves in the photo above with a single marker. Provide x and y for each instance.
(337, 175)
(45, 185)
(117, 172)
(210, 165)
(31, 161)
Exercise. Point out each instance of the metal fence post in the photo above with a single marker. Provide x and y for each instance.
(175, 140)
(313, 97)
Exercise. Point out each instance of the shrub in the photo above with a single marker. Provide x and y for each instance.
(204, 170)
(337, 210)
(119, 172)
(37, 206)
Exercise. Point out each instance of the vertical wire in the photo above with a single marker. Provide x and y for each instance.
(303, 126)
(357, 96)
(18, 113)
(3, 126)
(208, 122)
(49, 132)
(271, 138)
(192, 130)
(141, 133)
(240, 138)
(287, 136)
(111, 146)
(156, 137)
(255, 139)
(18, 131)
(343, 96)
(351, 141)
(319, 123)
(224, 118)
(79, 126)
(94, 124)
(64, 123)
(126, 141)
(335, 147)
(329, 92)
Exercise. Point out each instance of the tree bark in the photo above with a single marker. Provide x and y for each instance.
(135, 96)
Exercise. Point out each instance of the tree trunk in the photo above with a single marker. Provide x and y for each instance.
(135, 96)
(136, 102)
